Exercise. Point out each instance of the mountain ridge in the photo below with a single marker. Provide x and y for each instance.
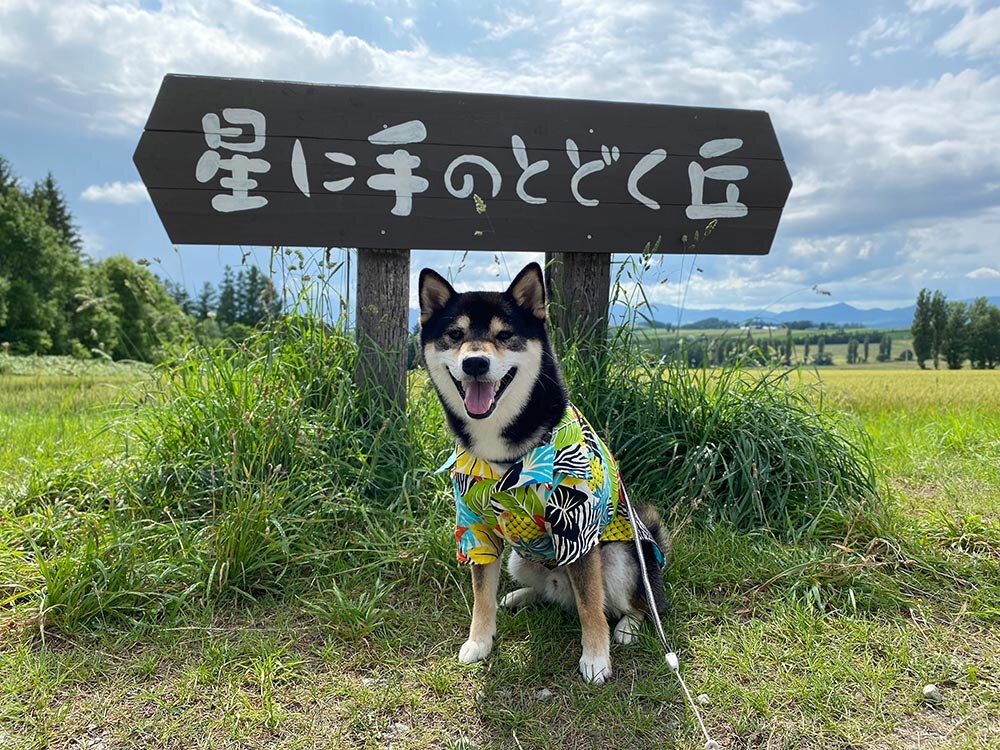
(838, 313)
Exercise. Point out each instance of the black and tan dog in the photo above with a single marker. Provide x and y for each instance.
(529, 471)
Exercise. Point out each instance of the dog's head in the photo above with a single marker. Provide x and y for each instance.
(484, 350)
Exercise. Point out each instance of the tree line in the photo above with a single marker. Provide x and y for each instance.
(56, 300)
(955, 332)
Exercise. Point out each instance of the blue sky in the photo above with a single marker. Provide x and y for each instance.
(888, 114)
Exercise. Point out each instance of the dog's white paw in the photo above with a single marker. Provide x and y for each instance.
(519, 598)
(473, 651)
(595, 669)
(627, 629)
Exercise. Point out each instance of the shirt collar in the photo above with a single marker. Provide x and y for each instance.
(565, 452)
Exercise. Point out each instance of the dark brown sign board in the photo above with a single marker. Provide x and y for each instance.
(244, 162)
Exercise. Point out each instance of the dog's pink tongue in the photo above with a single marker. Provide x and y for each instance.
(478, 397)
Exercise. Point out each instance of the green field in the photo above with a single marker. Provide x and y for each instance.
(809, 644)
(902, 340)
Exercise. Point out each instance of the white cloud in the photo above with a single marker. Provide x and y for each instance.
(892, 155)
(886, 36)
(116, 192)
(983, 272)
(923, 6)
(977, 34)
(766, 11)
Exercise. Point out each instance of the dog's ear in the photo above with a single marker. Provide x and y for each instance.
(528, 290)
(435, 292)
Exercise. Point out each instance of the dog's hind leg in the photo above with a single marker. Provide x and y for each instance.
(588, 587)
(520, 598)
(485, 579)
(628, 627)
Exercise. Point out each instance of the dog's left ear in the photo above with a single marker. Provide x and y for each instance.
(528, 290)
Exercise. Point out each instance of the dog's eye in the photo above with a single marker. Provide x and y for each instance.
(455, 335)
(504, 336)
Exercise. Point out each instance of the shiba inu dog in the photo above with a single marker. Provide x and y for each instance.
(529, 472)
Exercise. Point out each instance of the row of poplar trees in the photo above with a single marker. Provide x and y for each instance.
(955, 332)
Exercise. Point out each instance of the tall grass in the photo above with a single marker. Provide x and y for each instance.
(262, 470)
(755, 448)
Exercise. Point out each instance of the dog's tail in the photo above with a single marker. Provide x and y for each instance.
(651, 519)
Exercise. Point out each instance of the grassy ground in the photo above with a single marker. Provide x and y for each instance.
(804, 645)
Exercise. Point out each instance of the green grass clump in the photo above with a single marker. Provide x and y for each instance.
(749, 447)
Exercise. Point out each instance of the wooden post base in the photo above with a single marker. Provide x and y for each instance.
(579, 286)
(383, 301)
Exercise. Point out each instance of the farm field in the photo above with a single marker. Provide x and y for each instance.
(805, 645)
(901, 340)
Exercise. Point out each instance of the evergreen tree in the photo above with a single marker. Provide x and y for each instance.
(4, 289)
(179, 295)
(939, 320)
(866, 349)
(956, 335)
(47, 196)
(42, 274)
(205, 302)
(922, 329)
(227, 311)
(788, 347)
(8, 180)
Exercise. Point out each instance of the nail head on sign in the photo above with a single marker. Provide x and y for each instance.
(383, 231)
(589, 237)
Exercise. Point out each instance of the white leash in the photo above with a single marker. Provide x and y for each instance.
(671, 656)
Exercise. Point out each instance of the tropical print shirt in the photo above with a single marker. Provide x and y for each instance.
(553, 506)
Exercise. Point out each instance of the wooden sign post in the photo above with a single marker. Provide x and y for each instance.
(243, 162)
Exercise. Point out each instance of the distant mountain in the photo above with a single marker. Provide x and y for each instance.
(840, 313)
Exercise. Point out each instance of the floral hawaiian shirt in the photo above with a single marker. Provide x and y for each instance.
(553, 506)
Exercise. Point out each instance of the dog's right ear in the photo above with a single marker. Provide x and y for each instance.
(435, 292)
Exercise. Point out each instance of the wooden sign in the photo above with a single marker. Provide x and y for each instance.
(242, 162)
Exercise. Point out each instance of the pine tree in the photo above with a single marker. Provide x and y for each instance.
(205, 302)
(8, 180)
(852, 350)
(939, 320)
(788, 347)
(47, 195)
(227, 311)
(866, 349)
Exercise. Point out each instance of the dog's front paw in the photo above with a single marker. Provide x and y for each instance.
(473, 651)
(595, 669)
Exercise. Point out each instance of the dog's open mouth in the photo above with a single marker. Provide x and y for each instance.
(481, 396)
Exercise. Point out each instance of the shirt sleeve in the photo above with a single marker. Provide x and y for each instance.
(477, 542)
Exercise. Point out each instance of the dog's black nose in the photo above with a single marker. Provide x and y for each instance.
(475, 365)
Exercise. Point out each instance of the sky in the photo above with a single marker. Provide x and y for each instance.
(888, 114)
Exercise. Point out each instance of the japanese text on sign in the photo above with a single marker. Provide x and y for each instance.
(401, 180)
